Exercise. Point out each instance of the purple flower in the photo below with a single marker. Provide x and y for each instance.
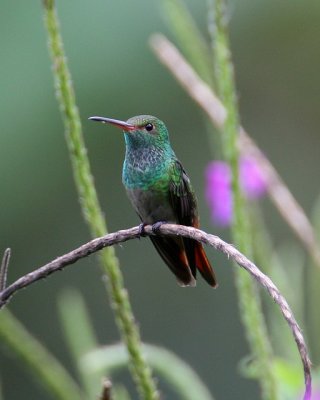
(252, 181)
(218, 192)
(218, 187)
(316, 396)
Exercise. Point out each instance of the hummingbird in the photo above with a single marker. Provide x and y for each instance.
(160, 192)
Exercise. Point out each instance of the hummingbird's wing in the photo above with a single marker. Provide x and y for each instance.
(184, 203)
(171, 250)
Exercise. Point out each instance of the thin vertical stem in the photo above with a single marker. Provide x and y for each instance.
(91, 209)
(250, 304)
(189, 37)
(4, 268)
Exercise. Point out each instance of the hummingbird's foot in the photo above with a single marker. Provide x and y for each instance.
(141, 229)
(157, 225)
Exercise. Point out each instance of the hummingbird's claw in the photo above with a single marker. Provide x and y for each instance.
(155, 227)
(141, 230)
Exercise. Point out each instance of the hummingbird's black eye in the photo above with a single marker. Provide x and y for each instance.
(149, 127)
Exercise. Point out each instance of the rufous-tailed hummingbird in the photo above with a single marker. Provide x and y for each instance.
(160, 191)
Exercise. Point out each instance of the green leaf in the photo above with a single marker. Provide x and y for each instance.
(183, 379)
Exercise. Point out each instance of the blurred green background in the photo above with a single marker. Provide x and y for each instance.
(277, 61)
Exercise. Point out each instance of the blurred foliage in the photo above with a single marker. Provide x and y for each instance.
(45, 369)
(275, 51)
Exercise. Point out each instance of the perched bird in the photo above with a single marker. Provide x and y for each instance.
(160, 191)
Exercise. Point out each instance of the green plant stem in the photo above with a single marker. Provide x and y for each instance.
(193, 45)
(313, 284)
(91, 208)
(189, 37)
(47, 370)
(249, 300)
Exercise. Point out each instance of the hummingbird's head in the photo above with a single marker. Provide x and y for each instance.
(141, 131)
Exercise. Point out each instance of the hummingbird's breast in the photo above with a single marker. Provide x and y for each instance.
(144, 168)
(152, 205)
(146, 177)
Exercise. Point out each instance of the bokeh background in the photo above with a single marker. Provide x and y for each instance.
(277, 62)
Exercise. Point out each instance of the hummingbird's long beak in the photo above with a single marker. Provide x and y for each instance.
(120, 124)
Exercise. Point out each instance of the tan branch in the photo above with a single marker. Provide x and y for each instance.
(180, 230)
(106, 390)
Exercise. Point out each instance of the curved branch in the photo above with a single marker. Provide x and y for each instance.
(180, 230)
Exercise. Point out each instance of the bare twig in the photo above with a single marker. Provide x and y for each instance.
(170, 229)
(204, 96)
(106, 390)
(4, 268)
